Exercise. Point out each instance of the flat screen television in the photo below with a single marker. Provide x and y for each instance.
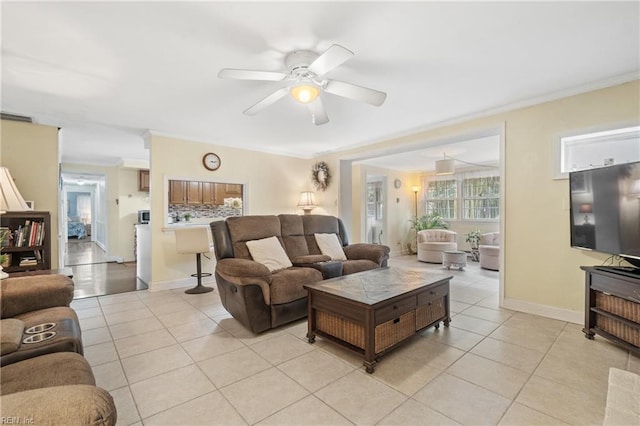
(605, 210)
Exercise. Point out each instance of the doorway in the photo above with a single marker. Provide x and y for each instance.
(375, 208)
(83, 219)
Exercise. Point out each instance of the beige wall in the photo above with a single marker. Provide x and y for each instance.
(30, 152)
(541, 271)
(272, 186)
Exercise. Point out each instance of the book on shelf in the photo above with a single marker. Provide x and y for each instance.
(31, 234)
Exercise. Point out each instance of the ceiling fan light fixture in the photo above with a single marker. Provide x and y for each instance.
(304, 93)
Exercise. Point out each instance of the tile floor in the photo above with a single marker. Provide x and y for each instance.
(169, 358)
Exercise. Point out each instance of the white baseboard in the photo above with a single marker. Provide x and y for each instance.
(576, 317)
(117, 259)
(186, 282)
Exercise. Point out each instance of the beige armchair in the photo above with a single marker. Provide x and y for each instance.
(489, 249)
(432, 242)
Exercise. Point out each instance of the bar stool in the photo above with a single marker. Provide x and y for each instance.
(195, 239)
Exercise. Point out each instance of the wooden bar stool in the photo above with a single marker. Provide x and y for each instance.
(195, 240)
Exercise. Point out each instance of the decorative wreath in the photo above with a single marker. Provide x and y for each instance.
(320, 175)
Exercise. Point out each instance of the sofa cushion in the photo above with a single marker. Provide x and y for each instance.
(10, 335)
(353, 266)
(23, 294)
(319, 224)
(287, 285)
(249, 228)
(330, 246)
(58, 369)
(293, 235)
(270, 253)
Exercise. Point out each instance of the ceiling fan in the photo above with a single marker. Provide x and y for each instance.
(304, 72)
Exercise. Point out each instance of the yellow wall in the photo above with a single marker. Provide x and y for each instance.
(30, 152)
(541, 272)
(272, 186)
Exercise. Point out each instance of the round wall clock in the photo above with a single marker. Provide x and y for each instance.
(211, 161)
(320, 175)
(397, 183)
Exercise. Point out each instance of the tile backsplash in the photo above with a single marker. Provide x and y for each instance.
(201, 211)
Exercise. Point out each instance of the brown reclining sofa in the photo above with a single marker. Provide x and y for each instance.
(261, 299)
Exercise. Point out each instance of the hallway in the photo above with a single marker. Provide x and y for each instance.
(83, 252)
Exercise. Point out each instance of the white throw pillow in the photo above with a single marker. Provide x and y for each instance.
(330, 246)
(270, 253)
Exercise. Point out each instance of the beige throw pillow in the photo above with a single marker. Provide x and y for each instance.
(330, 246)
(270, 253)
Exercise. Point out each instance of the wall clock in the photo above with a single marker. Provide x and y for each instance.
(320, 175)
(397, 183)
(211, 161)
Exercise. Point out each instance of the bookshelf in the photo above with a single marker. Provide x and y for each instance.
(30, 245)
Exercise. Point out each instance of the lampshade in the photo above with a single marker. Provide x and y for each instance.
(10, 198)
(415, 188)
(307, 201)
(445, 167)
(304, 93)
(586, 208)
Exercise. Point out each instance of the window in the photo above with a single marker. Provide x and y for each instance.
(442, 198)
(481, 198)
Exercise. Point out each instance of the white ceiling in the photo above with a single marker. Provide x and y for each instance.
(106, 72)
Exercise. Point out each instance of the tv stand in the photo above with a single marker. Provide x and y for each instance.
(612, 306)
(629, 271)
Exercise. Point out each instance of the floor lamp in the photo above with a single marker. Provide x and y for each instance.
(415, 201)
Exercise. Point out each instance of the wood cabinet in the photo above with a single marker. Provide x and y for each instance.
(30, 247)
(143, 180)
(612, 305)
(207, 193)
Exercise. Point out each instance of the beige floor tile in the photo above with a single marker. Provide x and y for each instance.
(405, 374)
(456, 337)
(521, 415)
(298, 329)
(361, 398)
(462, 401)
(429, 352)
(168, 308)
(209, 346)
(315, 369)
(563, 402)
(128, 316)
(499, 378)
(88, 312)
(89, 302)
(133, 328)
(345, 355)
(414, 413)
(512, 355)
(121, 307)
(170, 389)
(100, 353)
(140, 343)
(109, 376)
(457, 307)
(309, 411)
(213, 310)
(193, 330)
(181, 317)
(468, 295)
(118, 298)
(527, 322)
(125, 406)
(263, 394)
(634, 364)
(95, 336)
(281, 348)
(209, 409)
(149, 364)
(474, 325)
(532, 339)
(204, 300)
(494, 315)
(233, 366)
(91, 323)
(491, 302)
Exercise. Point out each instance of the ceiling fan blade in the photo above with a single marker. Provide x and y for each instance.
(251, 75)
(331, 58)
(352, 91)
(318, 113)
(268, 101)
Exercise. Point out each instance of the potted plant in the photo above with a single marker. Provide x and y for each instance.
(187, 217)
(473, 238)
(430, 221)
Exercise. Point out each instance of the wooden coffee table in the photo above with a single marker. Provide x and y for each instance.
(372, 312)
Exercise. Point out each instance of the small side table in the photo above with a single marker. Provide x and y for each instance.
(455, 258)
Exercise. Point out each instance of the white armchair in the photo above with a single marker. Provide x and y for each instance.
(432, 242)
(489, 249)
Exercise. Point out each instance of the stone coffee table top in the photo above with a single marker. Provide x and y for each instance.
(371, 287)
